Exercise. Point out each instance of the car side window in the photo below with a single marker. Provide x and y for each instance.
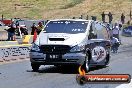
(0, 24)
(92, 32)
(101, 31)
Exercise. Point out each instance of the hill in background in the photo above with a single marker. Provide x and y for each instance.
(50, 9)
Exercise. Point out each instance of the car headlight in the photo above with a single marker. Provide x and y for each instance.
(77, 48)
(35, 47)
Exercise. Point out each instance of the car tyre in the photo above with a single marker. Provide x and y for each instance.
(107, 59)
(86, 64)
(35, 67)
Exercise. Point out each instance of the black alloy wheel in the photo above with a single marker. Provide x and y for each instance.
(35, 67)
(86, 63)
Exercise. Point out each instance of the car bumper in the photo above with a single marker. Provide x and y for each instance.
(67, 59)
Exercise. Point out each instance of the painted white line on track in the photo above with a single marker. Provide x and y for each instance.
(129, 85)
(17, 45)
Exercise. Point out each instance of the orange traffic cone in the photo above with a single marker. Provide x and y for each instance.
(34, 36)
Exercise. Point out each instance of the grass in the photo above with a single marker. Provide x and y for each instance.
(71, 4)
(51, 9)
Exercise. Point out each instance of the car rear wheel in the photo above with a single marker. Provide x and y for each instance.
(107, 59)
(86, 64)
(35, 67)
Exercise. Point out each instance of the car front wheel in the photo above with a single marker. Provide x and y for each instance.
(107, 60)
(86, 64)
(35, 67)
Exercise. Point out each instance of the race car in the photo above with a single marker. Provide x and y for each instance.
(71, 42)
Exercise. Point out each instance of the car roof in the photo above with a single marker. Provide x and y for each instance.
(70, 20)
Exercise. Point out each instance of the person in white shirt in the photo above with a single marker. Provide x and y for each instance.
(115, 44)
(109, 29)
(115, 31)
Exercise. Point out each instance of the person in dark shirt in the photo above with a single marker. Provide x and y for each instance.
(103, 17)
(110, 15)
(122, 18)
(11, 32)
(33, 28)
(40, 27)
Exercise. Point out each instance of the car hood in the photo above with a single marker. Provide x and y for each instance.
(60, 39)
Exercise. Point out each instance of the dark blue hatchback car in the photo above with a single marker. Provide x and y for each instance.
(127, 31)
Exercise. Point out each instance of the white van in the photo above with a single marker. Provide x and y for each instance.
(71, 42)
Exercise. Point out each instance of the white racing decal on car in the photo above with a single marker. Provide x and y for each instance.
(98, 53)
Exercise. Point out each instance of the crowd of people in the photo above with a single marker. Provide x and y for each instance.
(37, 28)
(13, 27)
(114, 32)
(110, 17)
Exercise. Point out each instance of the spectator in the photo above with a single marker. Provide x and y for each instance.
(33, 28)
(87, 17)
(94, 18)
(122, 18)
(11, 32)
(17, 23)
(120, 25)
(103, 17)
(81, 17)
(109, 29)
(110, 17)
(73, 18)
(128, 23)
(40, 27)
(115, 31)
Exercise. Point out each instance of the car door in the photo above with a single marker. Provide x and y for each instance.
(98, 44)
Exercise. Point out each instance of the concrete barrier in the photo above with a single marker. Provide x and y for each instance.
(3, 35)
(16, 52)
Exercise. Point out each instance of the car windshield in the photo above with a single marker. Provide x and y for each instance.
(65, 26)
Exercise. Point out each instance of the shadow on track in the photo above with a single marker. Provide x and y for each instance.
(64, 69)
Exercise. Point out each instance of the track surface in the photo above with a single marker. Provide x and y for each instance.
(20, 75)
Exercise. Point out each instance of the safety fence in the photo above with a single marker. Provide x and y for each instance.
(17, 52)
